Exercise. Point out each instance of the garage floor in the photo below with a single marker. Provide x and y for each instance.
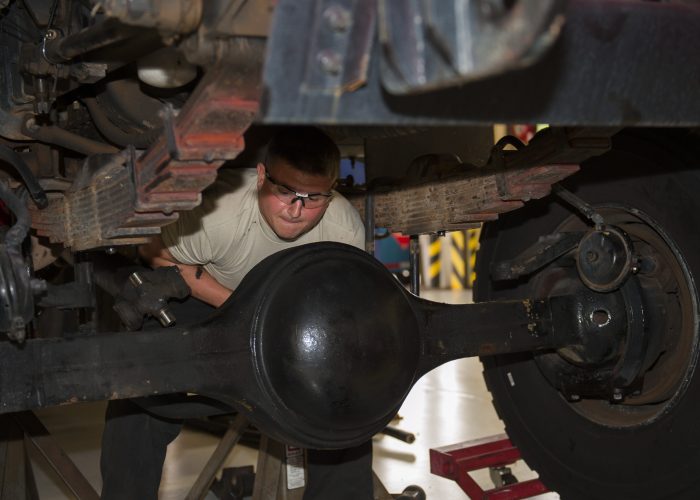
(447, 406)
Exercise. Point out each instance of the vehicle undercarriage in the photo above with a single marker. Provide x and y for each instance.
(116, 115)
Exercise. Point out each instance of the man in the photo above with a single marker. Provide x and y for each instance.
(247, 216)
(244, 217)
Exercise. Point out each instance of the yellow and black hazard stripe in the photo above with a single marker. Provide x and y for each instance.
(434, 249)
(472, 247)
(458, 254)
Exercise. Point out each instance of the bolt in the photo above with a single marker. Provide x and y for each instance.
(136, 279)
(165, 318)
(617, 395)
(331, 61)
(31, 125)
(110, 250)
(51, 35)
(338, 17)
(574, 397)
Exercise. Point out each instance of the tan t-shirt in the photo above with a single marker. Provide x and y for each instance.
(228, 236)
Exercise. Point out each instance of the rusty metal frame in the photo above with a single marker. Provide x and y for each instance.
(132, 196)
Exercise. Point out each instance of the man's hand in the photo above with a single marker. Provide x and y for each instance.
(201, 283)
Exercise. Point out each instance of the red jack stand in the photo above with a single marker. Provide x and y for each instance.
(456, 461)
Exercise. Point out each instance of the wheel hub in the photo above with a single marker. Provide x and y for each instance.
(604, 259)
(635, 348)
(614, 332)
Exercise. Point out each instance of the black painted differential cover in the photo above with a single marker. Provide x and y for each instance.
(336, 342)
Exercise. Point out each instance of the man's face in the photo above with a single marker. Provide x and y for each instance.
(290, 221)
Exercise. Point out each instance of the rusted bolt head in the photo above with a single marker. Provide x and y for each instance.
(331, 61)
(338, 18)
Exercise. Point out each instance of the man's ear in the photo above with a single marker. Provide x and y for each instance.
(261, 174)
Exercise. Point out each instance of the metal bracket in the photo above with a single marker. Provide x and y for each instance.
(429, 44)
(580, 81)
(547, 249)
(580, 205)
(169, 131)
(342, 35)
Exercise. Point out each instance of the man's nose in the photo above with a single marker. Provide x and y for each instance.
(295, 208)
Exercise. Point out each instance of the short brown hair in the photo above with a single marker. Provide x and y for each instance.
(306, 149)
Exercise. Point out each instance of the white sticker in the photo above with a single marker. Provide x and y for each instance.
(511, 379)
(295, 467)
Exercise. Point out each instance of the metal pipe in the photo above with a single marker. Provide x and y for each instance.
(35, 190)
(369, 223)
(108, 32)
(52, 134)
(401, 435)
(580, 205)
(414, 259)
(114, 133)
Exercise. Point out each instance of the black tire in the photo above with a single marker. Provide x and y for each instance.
(578, 456)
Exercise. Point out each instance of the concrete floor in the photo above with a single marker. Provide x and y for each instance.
(447, 406)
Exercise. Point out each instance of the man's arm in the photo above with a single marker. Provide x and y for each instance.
(203, 285)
